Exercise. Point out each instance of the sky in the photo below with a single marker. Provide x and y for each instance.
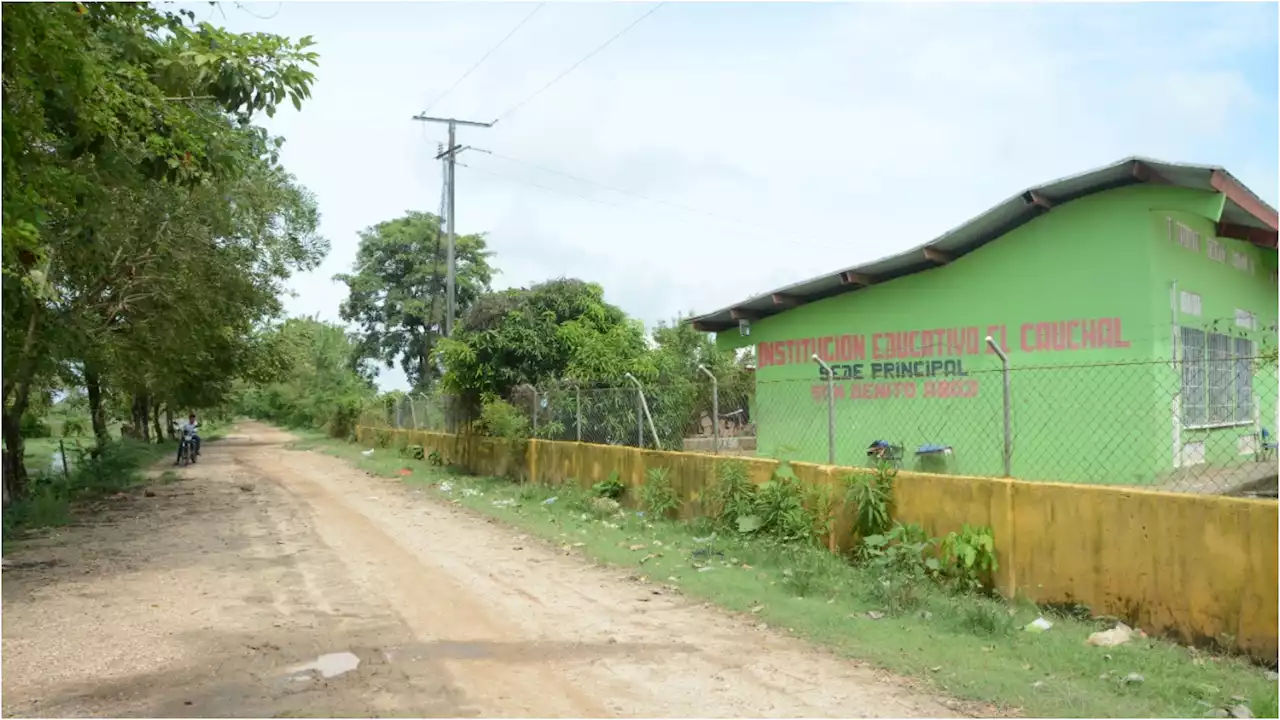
(754, 144)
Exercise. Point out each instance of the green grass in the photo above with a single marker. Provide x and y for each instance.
(52, 495)
(967, 647)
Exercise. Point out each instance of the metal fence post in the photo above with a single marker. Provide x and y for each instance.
(831, 410)
(715, 410)
(535, 412)
(1008, 437)
(577, 388)
(644, 409)
(413, 412)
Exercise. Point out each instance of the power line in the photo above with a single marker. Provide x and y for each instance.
(770, 236)
(279, 7)
(576, 65)
(680, 206)
(480, 62)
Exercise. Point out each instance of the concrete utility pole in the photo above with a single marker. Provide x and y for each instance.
(450, 155)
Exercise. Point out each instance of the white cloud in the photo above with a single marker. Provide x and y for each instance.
(822, 135)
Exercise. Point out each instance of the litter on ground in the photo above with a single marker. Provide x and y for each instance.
(1118, 635)
(1038, 625)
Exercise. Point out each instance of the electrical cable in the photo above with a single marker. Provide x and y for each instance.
(279, 7)
(760, 228)
(578, 64)
(770, 236)
(480, 62)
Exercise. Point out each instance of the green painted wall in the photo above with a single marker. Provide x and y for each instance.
(1089, 411)
(1222, 287)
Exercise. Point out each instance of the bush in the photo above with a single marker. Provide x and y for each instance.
(73, 427)
(34, 426)
(872, 498)
(499, 418)
(779, 505)
(611, 487)
(970, 558)
(657, 496)
(733, 497)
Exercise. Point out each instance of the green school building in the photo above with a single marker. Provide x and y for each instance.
(1137, 306)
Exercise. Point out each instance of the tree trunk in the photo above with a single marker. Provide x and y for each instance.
(15, 470)
(155, 417)
(17, 393)
(97, 414)
(144, 417)
(168, 422)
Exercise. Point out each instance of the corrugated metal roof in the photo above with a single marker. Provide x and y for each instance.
(1255, 219)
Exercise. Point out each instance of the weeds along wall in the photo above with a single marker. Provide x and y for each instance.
(1201, 569)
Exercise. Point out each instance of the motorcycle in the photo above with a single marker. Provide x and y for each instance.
(186, 450)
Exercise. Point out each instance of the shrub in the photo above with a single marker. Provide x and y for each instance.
(733, 496)
(611, 487)
(872, 498)
(903, 550)
(73, 427)
(499, 418)
(970, 558)
(657, 496)
(34, 426)
(779, 503)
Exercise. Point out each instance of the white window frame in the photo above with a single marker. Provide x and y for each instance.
(1216, 369)
(1186, 237)
(1217, 251)
(1190, 303)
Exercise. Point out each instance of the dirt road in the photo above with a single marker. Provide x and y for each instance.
(209, 597)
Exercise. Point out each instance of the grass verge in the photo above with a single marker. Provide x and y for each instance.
(52, 494)
(968, 647)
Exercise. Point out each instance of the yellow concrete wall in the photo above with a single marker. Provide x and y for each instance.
(1195, 567)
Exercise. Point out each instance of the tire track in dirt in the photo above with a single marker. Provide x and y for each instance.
(198, 601)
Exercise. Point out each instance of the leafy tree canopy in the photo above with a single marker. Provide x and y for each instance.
(397, 292)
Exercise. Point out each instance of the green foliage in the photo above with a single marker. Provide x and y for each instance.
(611, 487)
(34, 426)
(970, 557)
(500, 418)
(397, 290)
(560, 329)
(657, 496)
(435, 458)
(312, 383)
(148, 228)
(72, 427)
(871, 496)
(779, 504)
(413, 452)
(95, 472)
(732, 497)
(903, 550)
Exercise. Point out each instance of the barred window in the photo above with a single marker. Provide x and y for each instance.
(1217, 378)
(1242, 261)
(1188, 238)
(1221, 397)
(1217, 251)
(1193, 409)
(1244, 380)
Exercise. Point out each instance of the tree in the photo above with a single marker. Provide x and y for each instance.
(114, 116)
(397, 290)
(554, 331)
(306, 379)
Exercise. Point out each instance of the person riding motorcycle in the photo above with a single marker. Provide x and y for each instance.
(190, 433)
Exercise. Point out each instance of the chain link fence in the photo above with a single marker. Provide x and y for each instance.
(1202, 427)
